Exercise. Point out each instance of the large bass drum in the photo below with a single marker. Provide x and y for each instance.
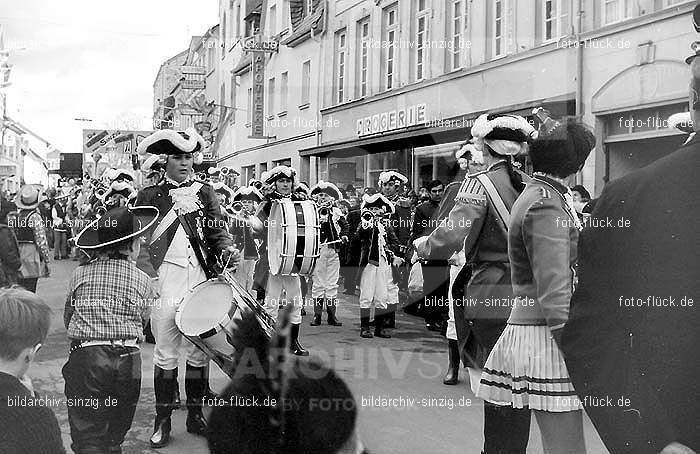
(293, 237)
(207, 317)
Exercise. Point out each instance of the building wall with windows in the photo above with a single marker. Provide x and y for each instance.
(451, 60)
(292, 77)
(634, 78)
(414, 74)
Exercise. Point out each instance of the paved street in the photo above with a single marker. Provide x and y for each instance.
(442, 419)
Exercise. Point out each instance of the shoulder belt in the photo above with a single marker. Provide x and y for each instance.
(169, 218)
(495, 198)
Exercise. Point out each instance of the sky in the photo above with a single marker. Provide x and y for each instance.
(92, 59)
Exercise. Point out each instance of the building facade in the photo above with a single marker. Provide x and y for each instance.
(283, 107)
(408, 77)
(358, 87)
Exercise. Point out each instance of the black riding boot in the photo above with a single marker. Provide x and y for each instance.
(506, 429)
(365, 330)
(331, 306)
(164, 383)
(318, 311)
(195, 388)
(380, 324)
(452, 376)
(295, 347)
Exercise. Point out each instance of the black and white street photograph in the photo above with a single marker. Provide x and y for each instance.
(350, 227)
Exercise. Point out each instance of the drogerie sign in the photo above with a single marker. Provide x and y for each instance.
(393, 119)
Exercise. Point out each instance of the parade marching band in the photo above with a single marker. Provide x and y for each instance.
(203, 258)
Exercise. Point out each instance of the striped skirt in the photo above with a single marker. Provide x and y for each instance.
(526, 369)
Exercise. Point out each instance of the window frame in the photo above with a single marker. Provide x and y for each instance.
(455, 54)
(503, 27)
(421, 51)
(271, 82)
(558, 25)
(390, 58)
(305, 83)
(340, 72)
(284, 92)
(621, 11)
(272, 23)
(363, 57)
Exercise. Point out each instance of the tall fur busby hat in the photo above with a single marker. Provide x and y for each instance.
(562, 147)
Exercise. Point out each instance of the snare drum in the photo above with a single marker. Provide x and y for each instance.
(293, 237)
(207, 317)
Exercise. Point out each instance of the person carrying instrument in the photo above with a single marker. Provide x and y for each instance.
(378, 249)
(184, 247)
(334, 232)
(248, 198)
(106, 309)
(224, 195)
(281, 179)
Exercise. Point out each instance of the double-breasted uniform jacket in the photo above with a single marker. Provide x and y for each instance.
(474, 224)
(631, 338)
(368, 240)
(206, 222)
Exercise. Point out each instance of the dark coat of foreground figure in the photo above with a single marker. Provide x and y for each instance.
(636, 365)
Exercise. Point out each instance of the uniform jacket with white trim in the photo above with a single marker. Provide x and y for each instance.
(206, 222)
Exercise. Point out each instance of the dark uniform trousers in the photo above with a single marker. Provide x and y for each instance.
(103, 384)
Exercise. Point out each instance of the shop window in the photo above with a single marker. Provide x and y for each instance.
(642, 120)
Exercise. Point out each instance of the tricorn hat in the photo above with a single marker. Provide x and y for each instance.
(222, 188)
(376, 200)
(392, 175)
(116, 225)
(327, 188)
(247, 193)
(168, 142)
(279, 172)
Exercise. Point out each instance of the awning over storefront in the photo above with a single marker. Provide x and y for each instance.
(418, 137)
(436, 132)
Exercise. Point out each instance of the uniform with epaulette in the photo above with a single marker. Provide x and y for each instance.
(482, 291)
(184, 246)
